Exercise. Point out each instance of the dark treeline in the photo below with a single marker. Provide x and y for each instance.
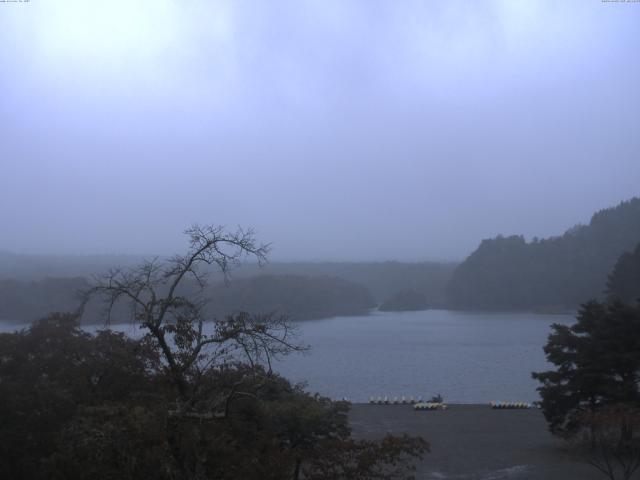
(299, 297)
(624, 281)
(383, 279)
(406, 300)
(511, 273)
(26, 301)
(36, 267)
(302, 290)
(506, 272)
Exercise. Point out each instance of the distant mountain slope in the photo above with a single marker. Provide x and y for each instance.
(25, 301)
(300, 297)
(624, 281)
(405, 301)
(15, 266)
(383, 279)
(508, 272)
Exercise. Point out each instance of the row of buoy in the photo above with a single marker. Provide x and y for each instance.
(394, 400)
(419, 404)
(505, 405)
(429, 406)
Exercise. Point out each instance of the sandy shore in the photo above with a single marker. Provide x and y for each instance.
(476, 442)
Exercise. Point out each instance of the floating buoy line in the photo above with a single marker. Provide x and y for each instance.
(395, 400)
(510, 405)
(429, 406)
(419, 404)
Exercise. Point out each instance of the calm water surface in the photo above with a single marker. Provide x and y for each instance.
(467, 357)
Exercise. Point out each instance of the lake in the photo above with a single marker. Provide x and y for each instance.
(467, 357)
(464, 356)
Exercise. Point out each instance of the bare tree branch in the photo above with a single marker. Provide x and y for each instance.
(167, 301)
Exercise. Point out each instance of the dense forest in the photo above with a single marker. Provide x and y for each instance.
(299, 297)
(406, 300)
(382, 279)
(624, 281)
(506, 272)
(26, 301)
(557, 272)
(33, 286)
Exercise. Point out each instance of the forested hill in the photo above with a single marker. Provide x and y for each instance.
(511, 273)
(299, 297)
(32, 286)
(382, 279)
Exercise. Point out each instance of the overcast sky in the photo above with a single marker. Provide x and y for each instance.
(343, 130)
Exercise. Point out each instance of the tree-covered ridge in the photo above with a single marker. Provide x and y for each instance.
(300, 297)
(406, 300)
(25, 301)
(509, 272)
(382, 279)
(624, 281)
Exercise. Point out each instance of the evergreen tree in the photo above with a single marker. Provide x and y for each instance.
(597, 365)
(624, 281)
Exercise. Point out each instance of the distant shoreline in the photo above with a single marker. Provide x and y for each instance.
(538, 311)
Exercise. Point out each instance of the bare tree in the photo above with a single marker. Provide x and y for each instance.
(168, 300)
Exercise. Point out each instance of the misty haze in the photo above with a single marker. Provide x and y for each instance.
(320, 240)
